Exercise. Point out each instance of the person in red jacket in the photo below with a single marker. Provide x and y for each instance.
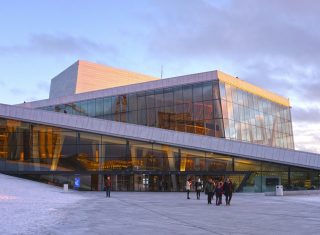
(107, 184)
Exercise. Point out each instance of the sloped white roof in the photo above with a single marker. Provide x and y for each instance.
(162, 136)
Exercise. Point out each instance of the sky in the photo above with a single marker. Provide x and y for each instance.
(274, 44)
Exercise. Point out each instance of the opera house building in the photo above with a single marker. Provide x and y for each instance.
(151, 134)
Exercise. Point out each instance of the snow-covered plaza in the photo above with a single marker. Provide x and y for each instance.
(29, 207)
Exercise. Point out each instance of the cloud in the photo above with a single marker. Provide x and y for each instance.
(244, 30)
(308, 116)
(307, 136)
(271, 43)
(2, 83)
(53, 45)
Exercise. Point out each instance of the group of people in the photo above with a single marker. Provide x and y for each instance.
(211, 188)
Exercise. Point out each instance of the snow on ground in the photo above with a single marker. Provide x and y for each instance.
(28, 207)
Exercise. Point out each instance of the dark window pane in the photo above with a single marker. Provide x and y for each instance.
(187, 94)
(150, 100)
(198, 111)
(207, 110)
(77, 108)
(178, 97)
(84, 108)
(123, 103)
(91, 108)
(209, 127)
(219, 132)
(123, 117)
(141, 101)
(188, 111)
(115, 104)
(132, 117)
(207, 91)
(142, 117)
(99, 108)
(132, 102)
(151, 117)
(216, 91)
(168, 97)
(159, 100)
(217, 109)
(68, 108)
(107, 105)
(197, 92)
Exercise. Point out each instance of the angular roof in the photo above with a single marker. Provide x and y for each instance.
(85, 76)
(68, 95)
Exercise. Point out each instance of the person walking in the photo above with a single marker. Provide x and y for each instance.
(227, 189)
(107, 184)
(198, 188)
(188, 187)
(218, 192)
(209, 189)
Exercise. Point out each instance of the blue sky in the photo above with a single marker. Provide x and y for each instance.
(273, 44)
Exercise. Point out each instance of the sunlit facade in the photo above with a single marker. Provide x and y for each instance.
(153, 135)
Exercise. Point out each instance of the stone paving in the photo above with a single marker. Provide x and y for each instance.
(55, 212)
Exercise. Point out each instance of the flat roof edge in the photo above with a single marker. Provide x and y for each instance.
(246, 86)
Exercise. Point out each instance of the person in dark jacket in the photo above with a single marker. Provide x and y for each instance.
(227, 189)
(209, 189)
(198, 186)
(219, 192)
(107, 184)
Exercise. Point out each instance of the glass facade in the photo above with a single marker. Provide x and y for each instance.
(250, 118)
(209, 108)
(59, 155)
(194, 108)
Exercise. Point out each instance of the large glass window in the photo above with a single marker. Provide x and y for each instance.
(266, 120)
(192, 108)
(27, 147)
